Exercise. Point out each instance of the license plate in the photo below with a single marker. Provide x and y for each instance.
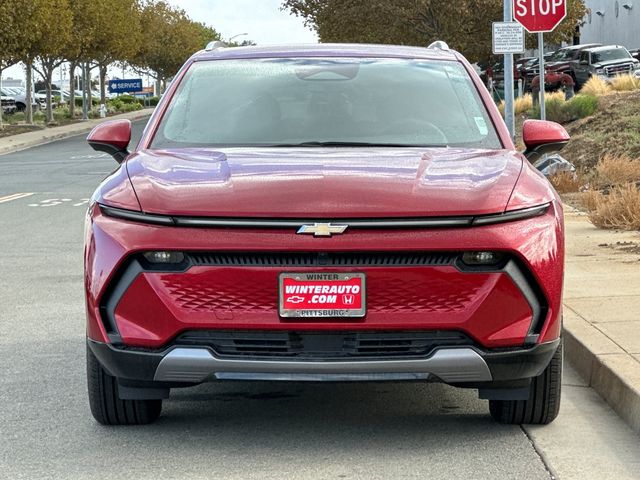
(320, 295)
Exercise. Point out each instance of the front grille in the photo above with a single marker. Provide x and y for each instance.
(621, 69)
(7, 102)
(321, 345)
(321, 259)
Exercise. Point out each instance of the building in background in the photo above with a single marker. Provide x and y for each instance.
(610, 22)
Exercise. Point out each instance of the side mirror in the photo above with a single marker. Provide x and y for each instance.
(112, 137)
(542, 138)
(584, 62)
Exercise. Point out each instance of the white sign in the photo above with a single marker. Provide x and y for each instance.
(508, 37)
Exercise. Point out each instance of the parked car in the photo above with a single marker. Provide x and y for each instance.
(531, 69)
(20, 97)
(63, 95)
(528, 72)
(8, 104)
(635, 53)
(339, 223)
(561, 62)
(605, 62)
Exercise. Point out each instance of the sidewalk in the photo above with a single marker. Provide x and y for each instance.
(602, 312)
(40, 137)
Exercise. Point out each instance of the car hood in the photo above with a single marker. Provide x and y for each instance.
(324, 182)
(558, 65)
(613, 62)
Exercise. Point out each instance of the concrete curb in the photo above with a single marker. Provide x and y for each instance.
(609, 374)
(23, 141)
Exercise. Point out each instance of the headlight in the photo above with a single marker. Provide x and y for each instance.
(600, 71)
(482, 258)
(164, 257)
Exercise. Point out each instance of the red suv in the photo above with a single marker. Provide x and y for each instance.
(325, 213)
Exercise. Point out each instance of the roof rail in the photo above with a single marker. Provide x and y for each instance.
(439, 45)
(214, 45)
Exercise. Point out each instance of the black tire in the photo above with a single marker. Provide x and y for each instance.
(107, 407)
(20, 107)
(543, 404)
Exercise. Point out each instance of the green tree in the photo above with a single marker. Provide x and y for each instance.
(121, 38)
(46, 28)
(169, 38)
(82, 41)
(464, 24)
(50, 44)
(12, 36)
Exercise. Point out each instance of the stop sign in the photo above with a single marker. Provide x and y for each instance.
(539, 15)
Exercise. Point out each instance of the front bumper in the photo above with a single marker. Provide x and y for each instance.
(234, 284)
(467, 366)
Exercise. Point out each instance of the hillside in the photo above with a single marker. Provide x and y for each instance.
(613, 129)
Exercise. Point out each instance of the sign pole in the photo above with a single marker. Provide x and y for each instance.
(543, 109)
(508, 77)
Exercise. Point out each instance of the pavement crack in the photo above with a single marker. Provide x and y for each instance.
(543, 458)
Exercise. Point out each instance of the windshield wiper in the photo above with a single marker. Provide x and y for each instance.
(352, 144)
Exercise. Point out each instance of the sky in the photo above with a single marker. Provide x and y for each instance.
(262, 20)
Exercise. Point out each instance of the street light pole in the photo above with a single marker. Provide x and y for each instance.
(237, 35)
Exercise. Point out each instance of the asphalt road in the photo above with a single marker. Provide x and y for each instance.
(235, 430)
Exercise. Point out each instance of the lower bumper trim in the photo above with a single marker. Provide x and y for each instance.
(451, 365)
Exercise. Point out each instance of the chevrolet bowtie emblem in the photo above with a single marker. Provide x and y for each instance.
(322, 229)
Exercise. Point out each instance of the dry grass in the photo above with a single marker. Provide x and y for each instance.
(619, 209)
(521, 105)
(613, 199)
(625, 83)
(554, 97)
(616, 170)
(566, 182)
(589, 200)
(596, 86)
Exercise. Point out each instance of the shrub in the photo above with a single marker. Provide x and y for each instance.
(565, 182)
(561, 111)
(554, 103)
(153, 101)
(115, 103)
(521, 105)
(625, 83)
(61, 114)
(131, 107)
(128, 99)
(582, 106)
(556, 111)
(616, 170)
(78, 101)
(589, 199)
(619, 209)
(596, 86)
(14, 118)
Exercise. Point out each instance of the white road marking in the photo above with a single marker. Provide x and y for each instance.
(15, 196)
(52, 202)
(89, 156)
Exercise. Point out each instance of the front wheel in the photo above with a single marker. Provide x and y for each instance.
(107, 407)
(543, 404)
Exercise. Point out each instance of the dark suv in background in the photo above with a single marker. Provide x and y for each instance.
(562, 60)
(605, 62)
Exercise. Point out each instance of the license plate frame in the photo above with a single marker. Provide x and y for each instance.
(321, 279)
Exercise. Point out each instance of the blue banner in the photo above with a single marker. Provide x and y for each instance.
(125, 86)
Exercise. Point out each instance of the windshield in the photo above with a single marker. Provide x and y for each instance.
(607, 55)
(319, 101)
(562, 54)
